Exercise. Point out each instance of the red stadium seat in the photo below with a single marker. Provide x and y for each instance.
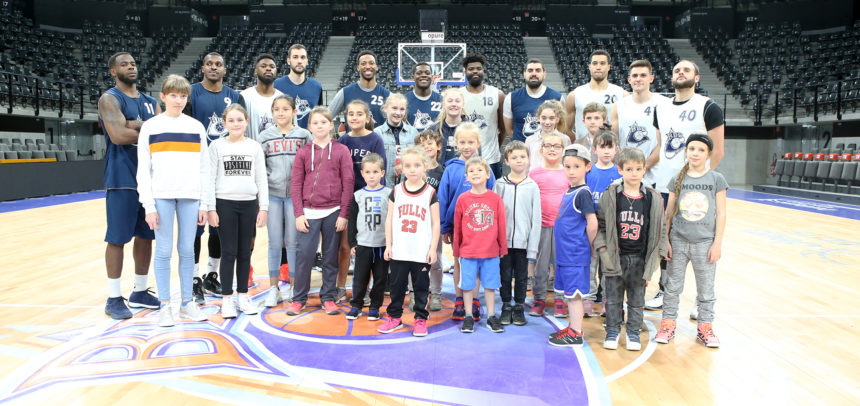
(832, 157)
(807, 156)
(856, 157)
(787, 155)
(797, 155)
(819, 157)
(845, 157)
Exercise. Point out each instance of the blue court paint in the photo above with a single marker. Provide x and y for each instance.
(797, 203)
(46, 201)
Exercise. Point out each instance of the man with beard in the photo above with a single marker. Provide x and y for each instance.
(208, 99)
(258, 99)
(688, 113)
(597, 90)
(307, 92)
(520, 105)
(122, 111)
(485, 108)
(422, 103)
(366, 89)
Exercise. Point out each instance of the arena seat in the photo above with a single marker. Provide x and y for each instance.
(809, 172)
(61, 156)
(71, 155)
(833, 176)
(10, 154)
(847, 178)
(821, 175)
(799, 168)
(25, 155)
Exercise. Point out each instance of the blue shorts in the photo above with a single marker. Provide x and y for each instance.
(125, 217)
(572, 280)
(487, 268)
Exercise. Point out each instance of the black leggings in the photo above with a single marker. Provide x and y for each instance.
(214, 245)
(236, 221)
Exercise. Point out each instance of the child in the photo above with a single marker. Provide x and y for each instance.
(522, 213)
(448, 120)
(321, 187)
(431, 142)
(594, 118)
(696, 220)
(629, 243)
(411, 234)
(575, 228)
(479, 241)
(396, 134)
(553, 183)
(601, 175)
(551, 117)
(173, 177)
(367, 213)
(280, 144)
(239, 176)
(453, 184)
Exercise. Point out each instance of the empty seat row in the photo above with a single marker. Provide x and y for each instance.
(826, 176)
(60, 156)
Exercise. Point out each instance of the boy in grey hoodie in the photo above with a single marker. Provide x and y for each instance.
(522, 218)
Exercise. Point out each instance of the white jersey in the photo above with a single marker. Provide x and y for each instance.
(583, 95)
(411, 224)
(677, 122)
(636, 126)
(259, 111)
(482, 109)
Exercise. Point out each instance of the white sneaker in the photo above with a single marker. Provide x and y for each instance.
(694, 314)
(165, 316)
(656, 303)
(633, 344)
(228, 308)
(246, 305)
(192, 311)
(611, 342)
(273, 297)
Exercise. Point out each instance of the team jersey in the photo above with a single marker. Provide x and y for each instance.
(521, 107)
(636, 126)
(482, 110)
(121, 160)
(207, 107)
(422, 113)
(374, 97)
(631, 216)
(259, 111)
(572, 247)
(411, 222)
(307, 96)
(599, 179)
(584, 94)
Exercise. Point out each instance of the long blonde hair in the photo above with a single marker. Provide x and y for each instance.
(444, 113)
(416, 150)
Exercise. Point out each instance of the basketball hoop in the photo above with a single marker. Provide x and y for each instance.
(435, 83)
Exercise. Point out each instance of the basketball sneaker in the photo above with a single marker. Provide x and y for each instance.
(459, 309)
(611, 340)
(143, 298)
(330, 308)
(420, 328)
(567, 338)
(373, 314)
(519, 316)
(228, 308)
(435, 302)
(495, 325)
(211, 284)
(284, 273)
(192, 311)
(295, 308)
(655, 303)
(538, 308)
(390, 326)
(197, 291)
(476, 309)
(273, 297)
(633, 343)
(507, 314)
(560, 309)
(165, 316)
(667, 331)
(468, 325)
(353, 314)
(705, 334)
(246, 305)
(116, 308)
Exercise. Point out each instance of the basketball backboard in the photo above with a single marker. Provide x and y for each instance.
(443, 58)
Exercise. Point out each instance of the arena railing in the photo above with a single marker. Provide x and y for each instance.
(38, 102)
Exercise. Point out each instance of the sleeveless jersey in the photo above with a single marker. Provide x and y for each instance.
(422, 113)
(583, 95)
(307, 96)
(676, 123)
(259, 111)
(571, 241)
(636, 126)
(523, 107)
(411, 224)
(121, 160)
(375, 98)
(207, 108)
(482, 110)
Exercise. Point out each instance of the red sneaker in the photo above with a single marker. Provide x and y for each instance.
(330, 307)
(560, 309)
(705, 334)
(285, 273)
(295, 308)
(537, 308)
(667, 331)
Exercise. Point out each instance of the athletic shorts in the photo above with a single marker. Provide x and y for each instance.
(126, 217)
(487, 268)
(572, 280)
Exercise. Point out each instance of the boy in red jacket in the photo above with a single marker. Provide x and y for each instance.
(480, 239)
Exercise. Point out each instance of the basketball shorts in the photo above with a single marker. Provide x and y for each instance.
(126, 217)
(572, 280)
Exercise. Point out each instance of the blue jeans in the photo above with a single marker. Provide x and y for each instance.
(282, 233)
(185, 211)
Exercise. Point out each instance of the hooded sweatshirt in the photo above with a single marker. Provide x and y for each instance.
(322, 178)
(280, 150)
(522, 213)
(453, 184)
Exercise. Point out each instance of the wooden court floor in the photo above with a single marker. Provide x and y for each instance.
(786, 314)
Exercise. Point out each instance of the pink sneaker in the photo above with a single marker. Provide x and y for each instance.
(537, 308)
(330, 307)
(706, 335)
(560, 309)
(667, 331)
(295, 308)
(391, 326)
(420, 329)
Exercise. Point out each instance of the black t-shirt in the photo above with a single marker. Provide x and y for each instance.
(632, 219)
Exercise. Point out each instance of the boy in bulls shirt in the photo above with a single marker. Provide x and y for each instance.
(630, 242)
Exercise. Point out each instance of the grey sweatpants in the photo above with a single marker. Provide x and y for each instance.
(545, 258)
(307, 250)
(684, 252)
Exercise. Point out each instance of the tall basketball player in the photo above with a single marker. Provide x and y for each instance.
(519, 106)
(208, 100)
(598, 90)
(307, 92)
(258, 98)
(366, 89)
(485, 108)
(122, 110)
(687, 113)
(423, 103)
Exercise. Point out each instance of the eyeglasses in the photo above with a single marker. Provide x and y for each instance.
(553, 146)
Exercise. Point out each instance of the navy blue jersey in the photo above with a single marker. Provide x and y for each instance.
(375, 98)
(572, 247)
(523, 107)
(421, 114)
(121, 160)
(207, 108)
(307, 96)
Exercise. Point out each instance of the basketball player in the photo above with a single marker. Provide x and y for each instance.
(687, 113)
(423, 104)
(258, 98)
(519, 106)
(485, 108)
(122, 110)
(366, 89)
(208, 100)
(598, 90)
(307, 92)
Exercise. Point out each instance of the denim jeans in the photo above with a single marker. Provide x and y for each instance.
(282, 233)
(185, 212)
